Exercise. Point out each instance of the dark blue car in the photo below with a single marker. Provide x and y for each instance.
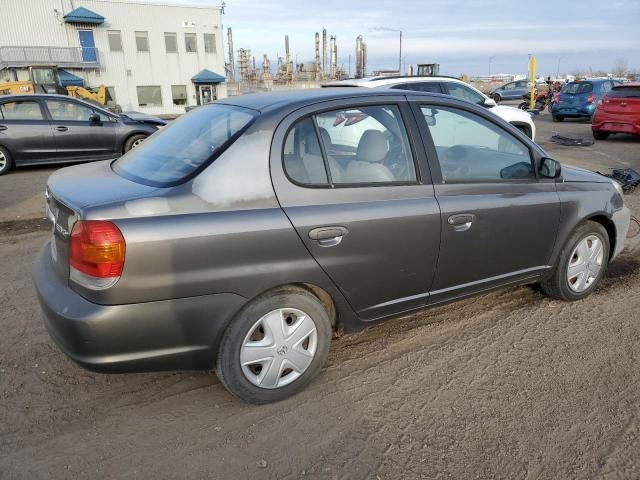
(579, 99)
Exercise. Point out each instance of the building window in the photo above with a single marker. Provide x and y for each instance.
(115, 40)
(210, 42)
(190, 43)
(179, 94)
(149, 96)
(171, 42)
(142, 41)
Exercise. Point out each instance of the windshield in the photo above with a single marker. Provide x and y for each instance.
(575, 88)
(185, 147)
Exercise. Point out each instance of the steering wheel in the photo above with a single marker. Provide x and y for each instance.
(395, 160)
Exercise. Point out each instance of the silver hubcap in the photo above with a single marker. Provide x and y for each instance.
(279, 348)
(137, 142)
(585, 264)
(3, 161)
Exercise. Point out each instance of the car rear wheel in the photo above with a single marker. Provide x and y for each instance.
(496, 97)
(600, 135)
(581, 264)
(133, 141)
(275, 346)
(6, 163)
(557, 118)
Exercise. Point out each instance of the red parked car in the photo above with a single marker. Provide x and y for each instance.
(618, 112)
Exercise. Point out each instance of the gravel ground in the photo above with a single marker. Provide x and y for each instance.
(506, 385)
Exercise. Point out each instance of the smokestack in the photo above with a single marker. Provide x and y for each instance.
(333, 52)
(324, 51)
(232, 67)
(287, 56)
(317, 56)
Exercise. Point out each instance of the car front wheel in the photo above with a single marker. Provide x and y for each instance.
(581, 264)
(133, 141)
(5, 161)
(275, 346)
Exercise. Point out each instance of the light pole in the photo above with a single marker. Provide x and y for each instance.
(558, 71)
(490, 58)
(387, 29)
(404, 64)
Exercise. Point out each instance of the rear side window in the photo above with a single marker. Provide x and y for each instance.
(420, 87)
(576, 88)
(361, 146)
(625, 92)
(465, 93)
(24, 110)
(186, 146)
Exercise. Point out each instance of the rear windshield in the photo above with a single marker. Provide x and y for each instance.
(185, 147)
(625, 92)
(575, 88)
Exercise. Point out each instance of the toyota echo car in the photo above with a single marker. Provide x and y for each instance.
(248, 231)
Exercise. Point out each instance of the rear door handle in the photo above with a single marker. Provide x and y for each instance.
(62, 129)
(328, 236)
(461, 222)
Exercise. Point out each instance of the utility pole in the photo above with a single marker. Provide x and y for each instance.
(490, 58)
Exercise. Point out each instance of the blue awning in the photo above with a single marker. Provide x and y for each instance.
(83, 15)
(69, 79)
(207, 77)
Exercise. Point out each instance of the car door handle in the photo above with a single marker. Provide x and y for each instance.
(3, 128)
(461, 222)
(328, 236)
(62, 129)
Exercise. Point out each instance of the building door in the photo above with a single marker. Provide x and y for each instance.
(207, 94)
(88, 46)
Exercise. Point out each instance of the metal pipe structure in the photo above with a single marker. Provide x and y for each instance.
(333, 52)
(232, 67)
(318, 73)
(324, 51)
(361, 57)
(287, 58)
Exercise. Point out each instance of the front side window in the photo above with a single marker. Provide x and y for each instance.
(465, 93)
(471, 148)
(190, 42)
(115, 40)
(171, 42)
(22, 110)
(188, 144)
(142, 41)
(210, 43)
(149, 96)
(61, 111)
(362, 145)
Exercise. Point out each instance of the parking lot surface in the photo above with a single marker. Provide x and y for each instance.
(506, 385)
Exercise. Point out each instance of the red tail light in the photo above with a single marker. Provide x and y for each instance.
(97, 249)
(604, 99)
(591, 98)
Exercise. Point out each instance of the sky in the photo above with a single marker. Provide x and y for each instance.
(464, 36)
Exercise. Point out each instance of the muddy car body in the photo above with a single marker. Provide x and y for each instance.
(246, 252)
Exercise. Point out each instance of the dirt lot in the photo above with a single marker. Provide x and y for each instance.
(506, 385)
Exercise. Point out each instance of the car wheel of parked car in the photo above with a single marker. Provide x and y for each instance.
(581, 264)
(275, 346)
(557, 118)
(496, 97)
(6, 164)
(133, 141)
(600, 135)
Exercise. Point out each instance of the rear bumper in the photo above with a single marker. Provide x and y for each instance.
(170, 334)
(621, 219)
(573, 112)
(615, 127)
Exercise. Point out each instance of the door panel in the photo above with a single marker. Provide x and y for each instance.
(88, 45)
(378, 243)
(77, 138)
(26, 132)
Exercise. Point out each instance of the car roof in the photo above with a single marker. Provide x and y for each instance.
(300, 97)
(52, 96)
(371, 82)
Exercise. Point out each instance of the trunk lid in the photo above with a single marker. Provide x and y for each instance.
(622, 100)
(575, 94)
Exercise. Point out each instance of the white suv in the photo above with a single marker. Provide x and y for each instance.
(448, 86)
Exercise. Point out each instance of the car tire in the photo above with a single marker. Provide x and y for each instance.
(6, 162)
(133, 141)
(268, 330)
(600, 135)
(557, 118)
(581, 264)
(496, 97)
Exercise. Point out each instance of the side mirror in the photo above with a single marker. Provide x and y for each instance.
(550, 168)
(94, 118)
(489, 102)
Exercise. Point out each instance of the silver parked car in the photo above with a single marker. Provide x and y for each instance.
(246, 232)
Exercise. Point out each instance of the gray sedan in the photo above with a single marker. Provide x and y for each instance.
(247, 232)
(43, 129)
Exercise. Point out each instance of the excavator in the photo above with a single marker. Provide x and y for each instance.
(47, 80)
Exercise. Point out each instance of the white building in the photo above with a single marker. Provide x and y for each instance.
(154, 58)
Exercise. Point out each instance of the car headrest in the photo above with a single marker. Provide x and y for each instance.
(326, 138)
(372, 147)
